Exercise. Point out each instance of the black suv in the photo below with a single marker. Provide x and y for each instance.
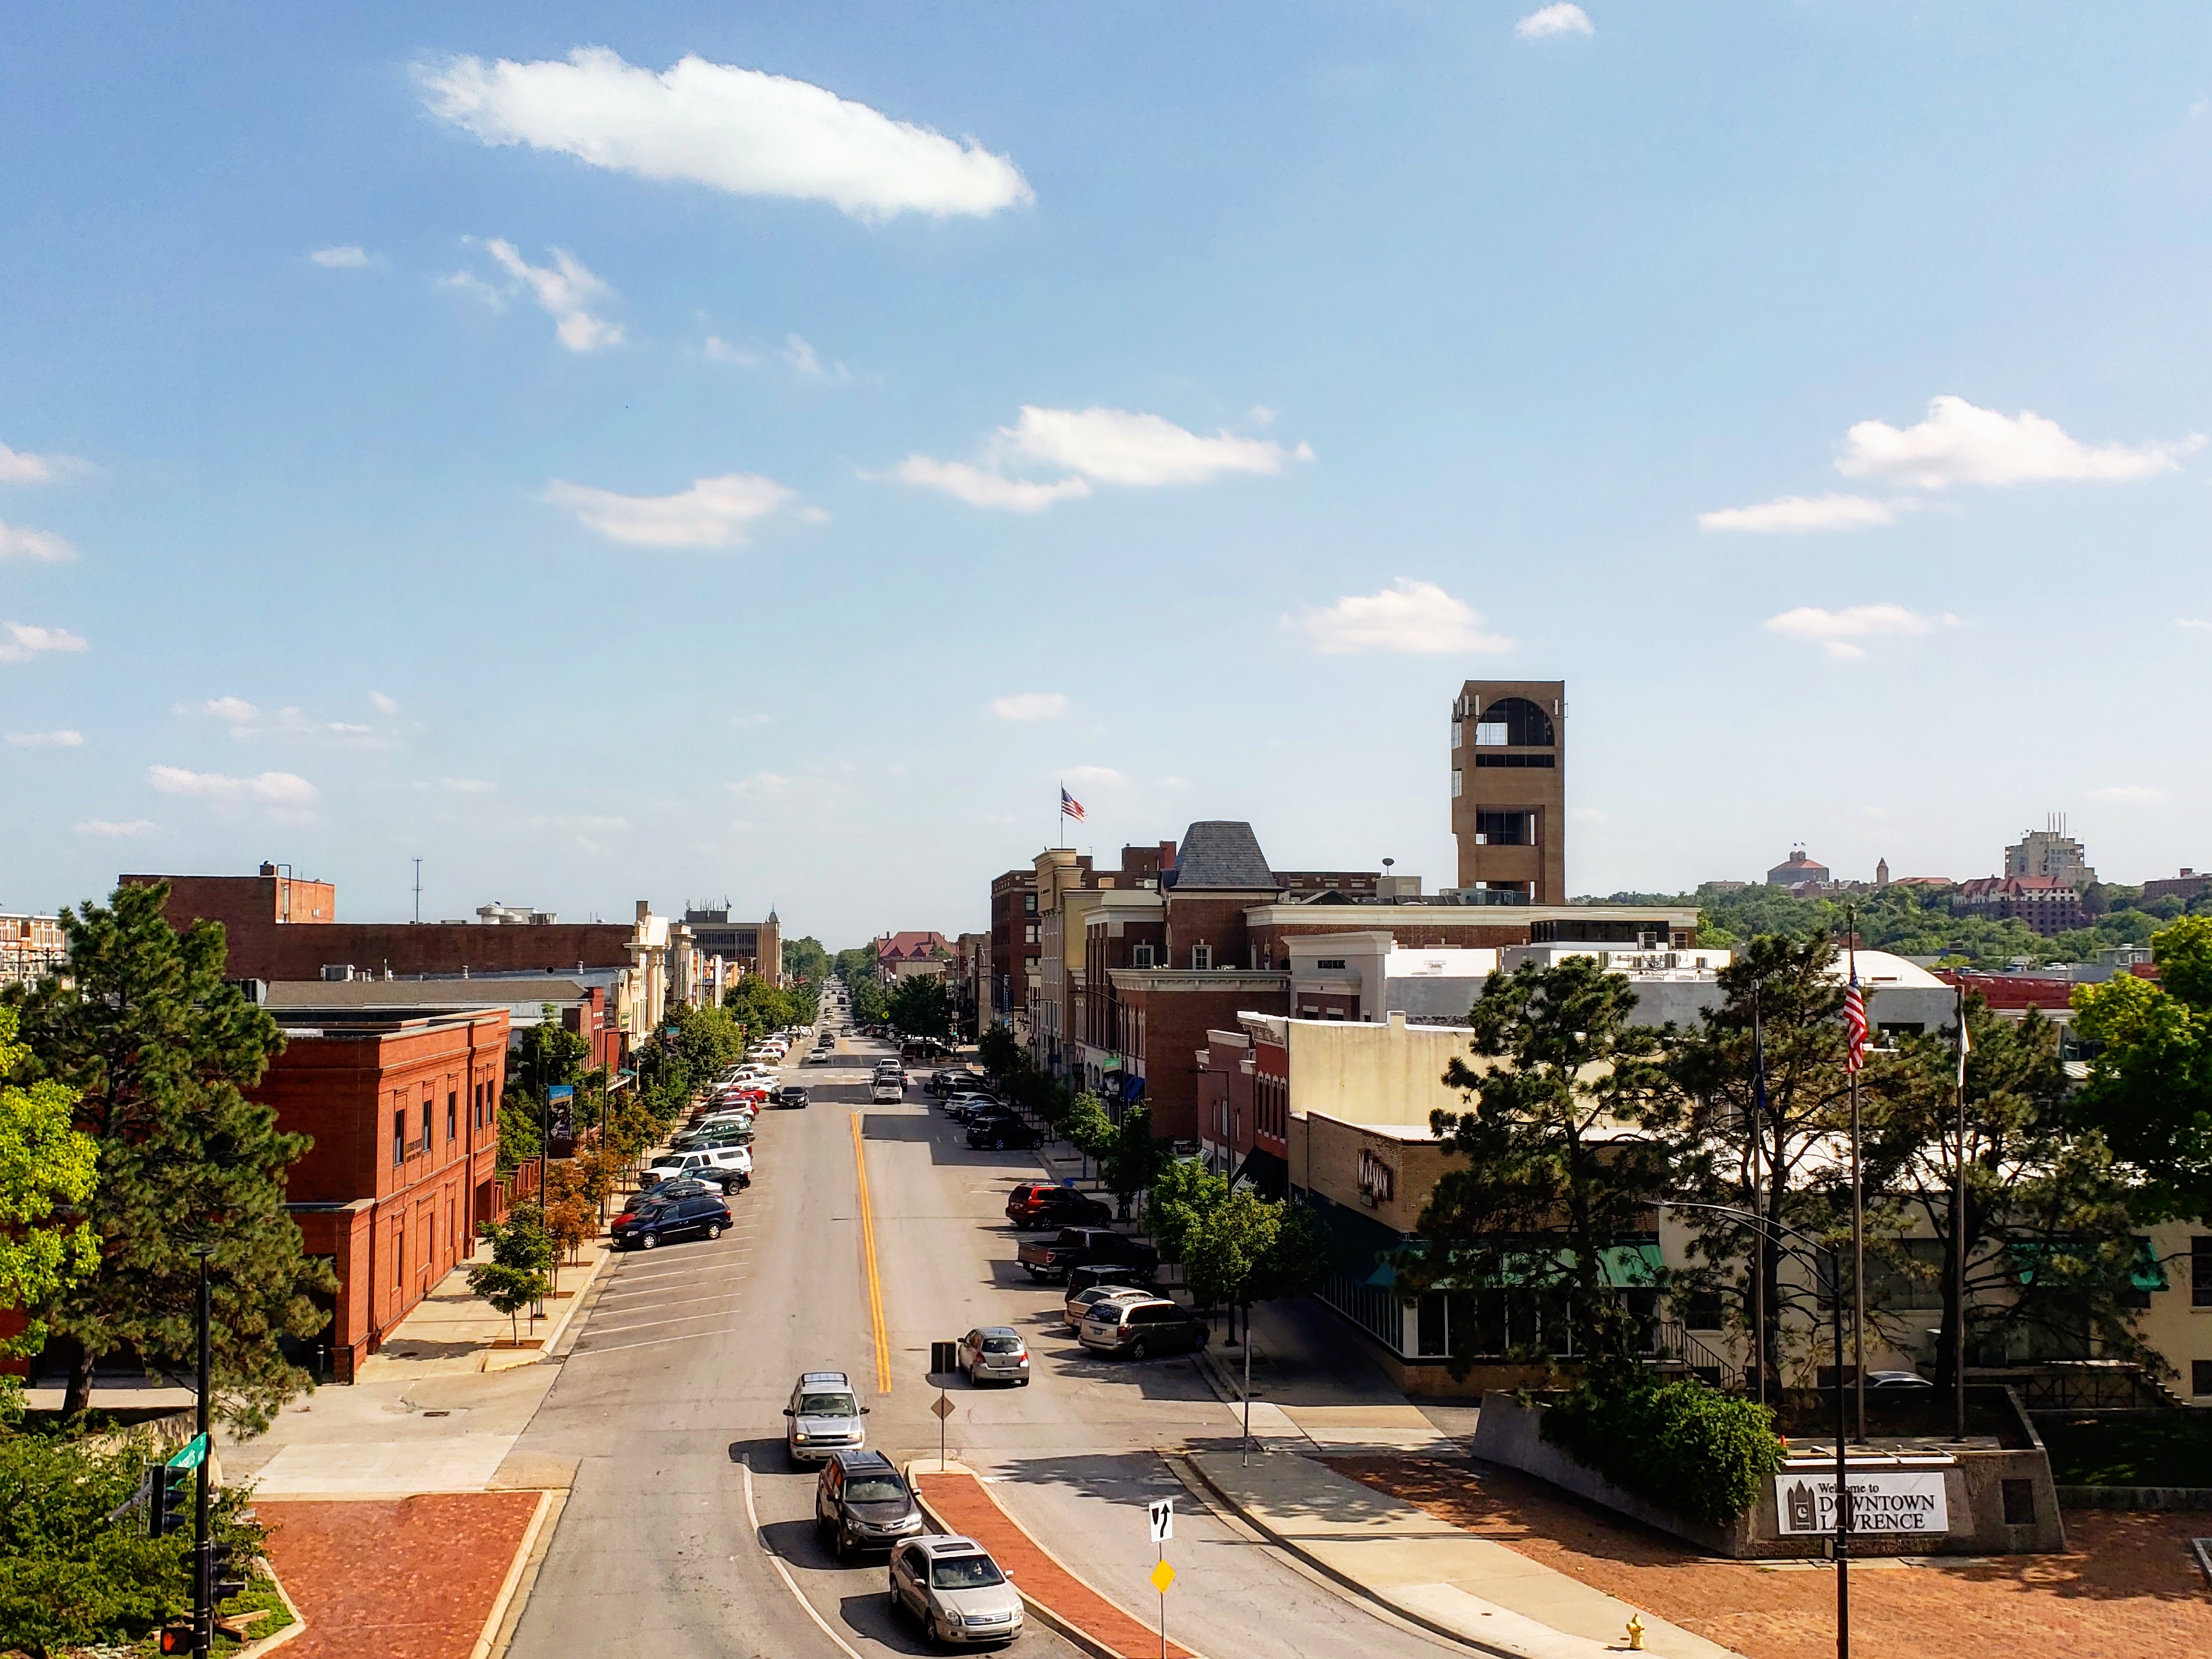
(791, 1095)
(1000, 1130)
(1083, 1247)
(651, 1220)
(861, 1504)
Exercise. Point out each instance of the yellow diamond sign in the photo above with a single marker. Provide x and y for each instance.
(1163, 1576)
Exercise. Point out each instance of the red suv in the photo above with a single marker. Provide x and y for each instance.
(1040, 1203)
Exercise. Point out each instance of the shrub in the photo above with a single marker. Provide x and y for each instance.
(1684, 1446)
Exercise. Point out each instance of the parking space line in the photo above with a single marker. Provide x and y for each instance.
(648, 1324)
(681, 1302)
(655, 1342)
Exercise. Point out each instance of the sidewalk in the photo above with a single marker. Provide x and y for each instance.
(956, 1500)
(1426, 1570)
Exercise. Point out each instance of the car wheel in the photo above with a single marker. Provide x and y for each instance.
(648, 1241)
(997, 1143)
(713, 1231)
(1137, 1349)
(897, 1605)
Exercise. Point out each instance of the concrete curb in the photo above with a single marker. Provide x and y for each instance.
(276, 1639)
(1344, 1580)
(496, 1633)
(1046, 1616)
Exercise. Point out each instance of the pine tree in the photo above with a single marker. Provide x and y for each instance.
(159, 1049)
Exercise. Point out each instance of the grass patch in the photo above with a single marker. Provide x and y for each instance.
(2167, 1449)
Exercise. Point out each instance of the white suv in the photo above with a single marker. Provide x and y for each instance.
(722, 1160)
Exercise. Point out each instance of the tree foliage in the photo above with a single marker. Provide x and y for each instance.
(1573, 1133)
(2149, 1091)
(159, 1051)
(47, 1171)
(1678, 1443)
(760, 1008)
(919, 1006)
(522, 1253)
(1182, 1196)
(806, 961)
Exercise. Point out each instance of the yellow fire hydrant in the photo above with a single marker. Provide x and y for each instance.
(1635, 1633)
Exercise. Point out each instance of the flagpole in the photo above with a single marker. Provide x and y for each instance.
(1858, 1209)
(1959, 1229)
(1758, 1200)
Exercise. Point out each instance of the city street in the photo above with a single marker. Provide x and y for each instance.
(670, 1401)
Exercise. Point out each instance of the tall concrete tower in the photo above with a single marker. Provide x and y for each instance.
(1508, 787)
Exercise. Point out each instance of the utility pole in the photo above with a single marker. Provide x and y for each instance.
(202, 1533)
(418, 892)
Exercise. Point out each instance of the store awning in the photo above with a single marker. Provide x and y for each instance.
(1264, 1173)
(2148, 1272)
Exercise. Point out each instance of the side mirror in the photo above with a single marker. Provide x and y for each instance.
(787, 1412)
(865, 1410)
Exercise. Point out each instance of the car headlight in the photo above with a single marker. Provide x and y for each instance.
(799, 1434)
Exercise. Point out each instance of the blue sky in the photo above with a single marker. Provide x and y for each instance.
(611, 452)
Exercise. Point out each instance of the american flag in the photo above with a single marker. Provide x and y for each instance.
(1855, 1023)
(1069, 806)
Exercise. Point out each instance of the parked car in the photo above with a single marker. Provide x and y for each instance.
(957, 1079)
(822, 1418)
(648, 1224)
(999, 1131)
(994, 1353)
(956, 1589)
(860, 1502)
(1040, 1204)
(1072, 1247)
(1141, 1327)
(1079, 1304)
(736, 1160)
(791, 1095)
(960, 1108)
(1897, 1380)
(1118, 1273)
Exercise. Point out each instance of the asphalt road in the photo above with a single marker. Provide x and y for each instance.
(673, 1395)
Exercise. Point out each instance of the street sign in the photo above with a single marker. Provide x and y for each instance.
(1163, 1576)
(942, 1409)
(192, 1455)
(1163, 1517)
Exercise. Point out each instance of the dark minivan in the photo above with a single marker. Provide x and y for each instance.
(647, 1224)
(861, 1504)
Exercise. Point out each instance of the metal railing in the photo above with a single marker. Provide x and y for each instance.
(1669, 1342)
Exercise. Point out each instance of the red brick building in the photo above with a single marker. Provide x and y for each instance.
(282, 927)
(1014, 946)
(2045, 903)
(404, 1113)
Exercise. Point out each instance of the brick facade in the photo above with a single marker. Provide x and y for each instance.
(403, 1115)
(1166, 1014)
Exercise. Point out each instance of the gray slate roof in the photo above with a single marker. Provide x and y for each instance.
(420, 993)
(1222, 853)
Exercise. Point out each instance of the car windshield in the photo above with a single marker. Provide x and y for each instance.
(1002, 1344)
(828, 1405)
(874, 1488)
(965, 1572)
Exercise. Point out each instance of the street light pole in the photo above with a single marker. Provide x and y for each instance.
(1842, 1475)
(203, 1534)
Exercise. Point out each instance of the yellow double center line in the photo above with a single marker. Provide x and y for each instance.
(868, 1254)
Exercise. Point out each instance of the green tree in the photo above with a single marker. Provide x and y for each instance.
(1002, 1057)
(1573, 1133)
(921, 1006)
(1182, 1196)
(2149, 1090)
(1248, 1249)
(806, 961)
(1132, 1158)
(2052, 1257)
(47, 1171)
(159, 1051)
(1087, 1127)
(522, 1253)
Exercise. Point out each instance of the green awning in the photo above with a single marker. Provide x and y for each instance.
(2148, 1272)
(1635, 1266)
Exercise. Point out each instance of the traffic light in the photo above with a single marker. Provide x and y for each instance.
(169, 1504)
(230, 1577)
(176, 1639)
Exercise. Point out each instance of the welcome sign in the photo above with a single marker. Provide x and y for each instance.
(1886, 1501)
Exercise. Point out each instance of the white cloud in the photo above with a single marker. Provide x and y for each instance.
(18, 543)
(236, 710)
(1794, 515)
(382, 704)
(1030, 706)
(468, 283)
(736, 129)
(270, 788)
(467, 785)
(1105, 774)
(1554, 19)
(106, 827)
(807, 365)
(64, 739)
(19, 466)
(1114, 446)
(2191, 622)
(1960, 443)
(340, 258)
(980, 487)
(1094, 445)
(567, 292)
(20, 642)
(1408, 616)
(2129, 795)
(719, 350)
(713, 513)
(1834, 630)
